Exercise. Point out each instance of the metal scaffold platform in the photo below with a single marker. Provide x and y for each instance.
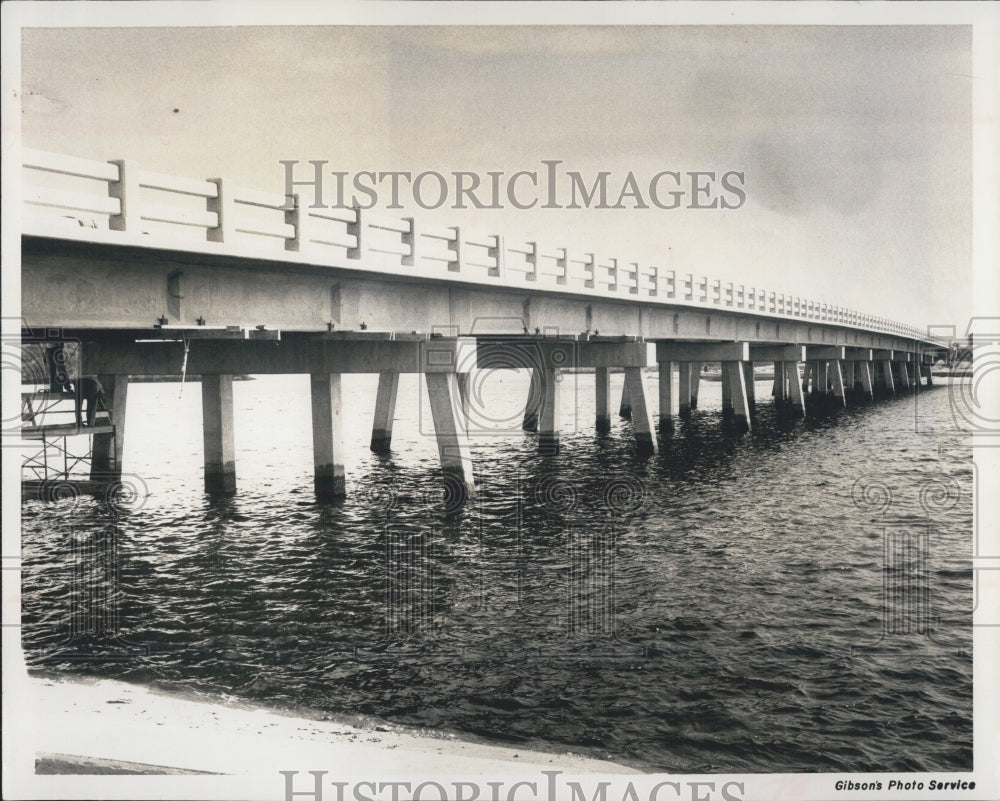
(61, 463)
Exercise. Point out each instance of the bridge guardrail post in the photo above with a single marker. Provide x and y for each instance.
(359, 230)
(298, 218)
(499, 253)
(222, 205)
(126, 191)
(456, 264)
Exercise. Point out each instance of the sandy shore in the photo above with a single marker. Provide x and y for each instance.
(81, 726)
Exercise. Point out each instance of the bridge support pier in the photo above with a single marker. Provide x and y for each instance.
(696, 368)
(106, 449)
(328, 435)
(533, 404)
(795, 387)
(385, 411)
(548, 422)
(865, 374)
(734, 375)
(684, 390)
(837, 376)
(778, 385)
(748, 380)
(462, 381)
(450, 432)
(887, 380)
(625, 409)
(665, 384)
(727, 394)
(642, 416)
(602, 379)
(217, 432)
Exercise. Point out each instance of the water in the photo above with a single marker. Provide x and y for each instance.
(798, 599)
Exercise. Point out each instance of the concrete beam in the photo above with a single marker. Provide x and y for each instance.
(327, 436)
(218, 436)
(777, 353)
(825, 352)
(292, 355)
(293, 293)
(677, 351)
(561, 354)
(859, 354)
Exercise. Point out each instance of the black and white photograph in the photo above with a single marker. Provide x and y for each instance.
(501, 401)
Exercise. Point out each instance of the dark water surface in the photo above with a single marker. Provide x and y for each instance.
(796, 599)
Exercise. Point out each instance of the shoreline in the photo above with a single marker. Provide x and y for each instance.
(90, 726)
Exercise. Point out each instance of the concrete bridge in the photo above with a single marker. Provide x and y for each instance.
(160, 275)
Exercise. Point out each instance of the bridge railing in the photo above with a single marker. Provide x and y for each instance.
(171, 211)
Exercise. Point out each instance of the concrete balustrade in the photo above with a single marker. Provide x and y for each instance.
(342, 236)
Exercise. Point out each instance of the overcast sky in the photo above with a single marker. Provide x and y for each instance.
(855, 141)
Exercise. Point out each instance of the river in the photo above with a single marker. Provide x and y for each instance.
(795, 599)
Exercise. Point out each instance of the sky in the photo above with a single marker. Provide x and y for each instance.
(855, 142)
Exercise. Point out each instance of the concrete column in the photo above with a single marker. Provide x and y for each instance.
(666, 395)
(625, 410)
(727, 393)
(778, 386)
(642, 417)
(385, 411)
(748, 380)
(449, 430)
(684, 389)
(602, 378)
(866, 379)
(736, 379)
(795, 386)
(695, 382)
(217, 430)
(533, 403)
(930, 378)
(890, 385)
(548, 419)
(106, 449)
(806, 376)
(837, 375)
(328, 435)
(462, 381)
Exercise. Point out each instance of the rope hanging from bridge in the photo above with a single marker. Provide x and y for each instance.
(184, 366)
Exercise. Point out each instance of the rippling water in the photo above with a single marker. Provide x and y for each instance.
(796, 599)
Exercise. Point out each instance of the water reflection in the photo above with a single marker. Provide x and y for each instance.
(697, 609)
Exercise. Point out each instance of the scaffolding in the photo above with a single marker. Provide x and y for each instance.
(50, 419)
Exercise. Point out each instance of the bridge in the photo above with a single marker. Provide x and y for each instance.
(154, 274)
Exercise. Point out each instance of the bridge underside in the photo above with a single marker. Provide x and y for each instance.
(140, 312)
